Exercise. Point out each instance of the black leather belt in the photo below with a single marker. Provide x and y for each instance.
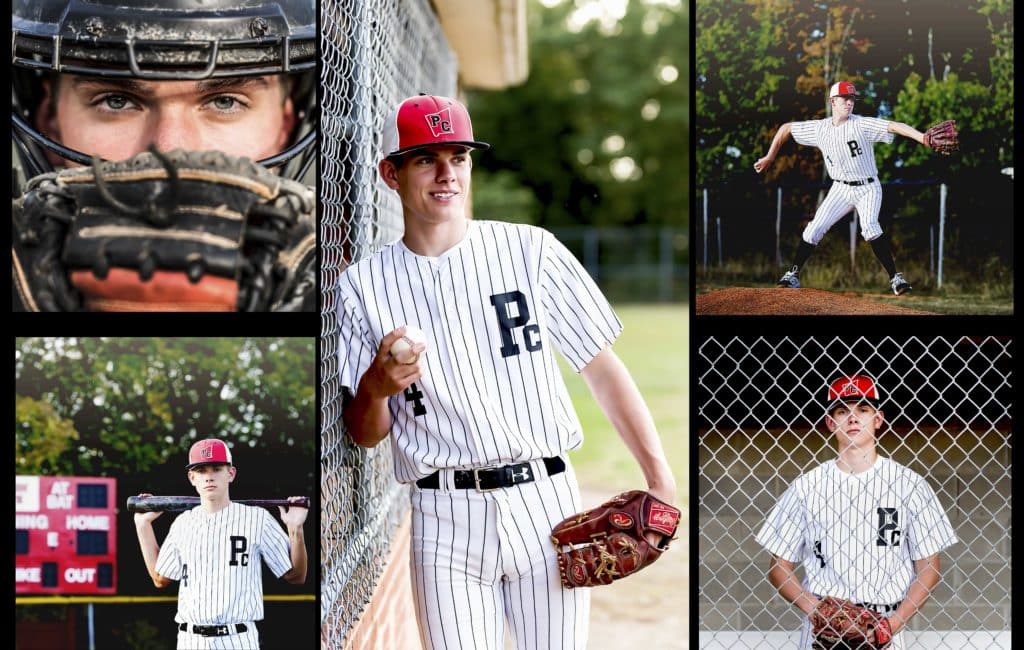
(483, 479)
(864, 182)
(879, 607)
(213, 630)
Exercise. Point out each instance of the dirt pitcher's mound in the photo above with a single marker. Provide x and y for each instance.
(794, 302)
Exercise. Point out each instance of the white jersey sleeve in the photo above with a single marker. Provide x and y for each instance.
(806, 132)
(274, 545)
(169, 560)
(929, 531)
(875, 129)
(783, 532)
(581, 322)
(356, 344)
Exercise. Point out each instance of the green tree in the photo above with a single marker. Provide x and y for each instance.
(42, 437)
(599, 131)
(136, 403)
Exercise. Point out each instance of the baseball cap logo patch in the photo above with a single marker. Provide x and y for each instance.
(207, 452)
(440, 123)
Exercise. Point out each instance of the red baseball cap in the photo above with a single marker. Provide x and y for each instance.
(427, 120)
(853, 388)
(841, 89)
(208, 452)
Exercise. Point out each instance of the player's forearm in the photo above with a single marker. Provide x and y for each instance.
(907, 131)
(367, 418)
(927, 577)
(788, 585)
(297, 546)
(150, 552)
(780, 138)
(620, 400)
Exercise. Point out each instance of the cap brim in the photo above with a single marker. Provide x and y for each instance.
(853, 400)
(210, 462)
(464, 143)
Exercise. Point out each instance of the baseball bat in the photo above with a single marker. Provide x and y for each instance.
(181, 504)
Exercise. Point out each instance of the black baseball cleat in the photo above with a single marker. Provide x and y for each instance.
(899, 285)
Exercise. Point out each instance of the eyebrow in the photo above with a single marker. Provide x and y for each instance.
(137, 87)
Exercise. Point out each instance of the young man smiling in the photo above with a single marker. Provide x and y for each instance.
(481, 421)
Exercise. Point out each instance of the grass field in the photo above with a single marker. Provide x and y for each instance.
(960, 294)
(654, 347)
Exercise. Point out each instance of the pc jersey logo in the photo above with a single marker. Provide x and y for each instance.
(440, 123)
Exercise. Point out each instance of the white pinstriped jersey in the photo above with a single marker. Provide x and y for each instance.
(848, 148)
(216, 558)
(858, 534)
(492, 307)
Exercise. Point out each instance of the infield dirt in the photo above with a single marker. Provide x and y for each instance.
(794, 302)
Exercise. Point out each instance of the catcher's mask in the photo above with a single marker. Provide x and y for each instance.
(162, 40)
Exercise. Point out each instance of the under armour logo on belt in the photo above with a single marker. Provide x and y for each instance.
(522, 474)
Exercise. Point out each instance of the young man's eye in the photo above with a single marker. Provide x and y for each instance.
(114, 102)
(226, 103)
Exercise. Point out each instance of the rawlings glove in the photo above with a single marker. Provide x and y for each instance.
(177, 231)
(840, 624)
(608, 543)
(942, 138)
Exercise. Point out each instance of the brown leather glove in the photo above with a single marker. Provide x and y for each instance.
(608, 542)
(838, 624)
(942, 138)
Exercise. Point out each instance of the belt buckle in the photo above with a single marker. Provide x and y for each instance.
(222, 630)
(476, 478)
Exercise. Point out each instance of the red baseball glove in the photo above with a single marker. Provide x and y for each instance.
(839, 624)
(608, 543)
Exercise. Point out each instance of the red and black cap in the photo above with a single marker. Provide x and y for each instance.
(210, 451)
(853, 388)
(842, 89)
(427, 120)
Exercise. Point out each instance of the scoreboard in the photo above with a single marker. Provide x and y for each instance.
(65, 535)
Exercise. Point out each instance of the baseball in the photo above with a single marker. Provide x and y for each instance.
(401, 348)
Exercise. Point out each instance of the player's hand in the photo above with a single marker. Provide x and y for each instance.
(763, 163)
(146, 517)
(293, 516)
(385, 376)
(665, 491)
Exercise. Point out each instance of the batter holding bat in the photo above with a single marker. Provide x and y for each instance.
(215, 550)
(847, 143)
(447, 342)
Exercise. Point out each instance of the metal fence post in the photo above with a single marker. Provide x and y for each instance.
(778, 225)
(942, 228)
(705, 230)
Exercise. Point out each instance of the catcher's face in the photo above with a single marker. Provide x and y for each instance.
(855, 424)
(211, 481)
(433, 182)
(119, 118)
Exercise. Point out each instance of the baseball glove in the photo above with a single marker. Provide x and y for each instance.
(942, 138)
(839, 624)
(176, 231)
(608, 543)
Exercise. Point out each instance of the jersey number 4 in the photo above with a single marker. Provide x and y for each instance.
(415, 395)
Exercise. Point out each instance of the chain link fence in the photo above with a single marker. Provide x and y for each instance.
(947, 403)
(375, 53)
